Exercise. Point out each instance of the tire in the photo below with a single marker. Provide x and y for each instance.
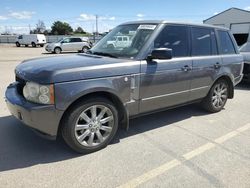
(217, 97)
(94, 134)
(33, 44)
(41, 45)
(57, 50)
(85, 49)
(18, 44)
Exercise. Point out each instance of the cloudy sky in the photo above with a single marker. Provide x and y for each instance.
(17, 16)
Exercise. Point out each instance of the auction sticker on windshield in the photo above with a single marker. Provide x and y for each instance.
(149, 27)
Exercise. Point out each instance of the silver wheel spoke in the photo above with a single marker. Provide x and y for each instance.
(223, 96)
(107, 119)
(93, 112)
(81, 127)
(99, 136)
(215, 102)
(100, 116)
(85, 117)
(91, 139)
(106, 128)
(84, 135)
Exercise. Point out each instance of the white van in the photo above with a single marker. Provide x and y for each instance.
(32, 39)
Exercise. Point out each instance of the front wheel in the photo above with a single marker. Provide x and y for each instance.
(90, 125)
(18, 44)
(57, 50)
(217, 97)
(85, 49)
(33, 44)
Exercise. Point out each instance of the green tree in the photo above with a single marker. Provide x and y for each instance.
(61, 28)
(80, 30)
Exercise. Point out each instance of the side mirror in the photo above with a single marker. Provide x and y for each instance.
(62, 42)
(161, 53)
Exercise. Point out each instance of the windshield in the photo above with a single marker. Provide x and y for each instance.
(124, 41)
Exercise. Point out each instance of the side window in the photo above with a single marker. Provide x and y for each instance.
(119, 38)
(225, 43)
(175, 38)
(125, 39)
(76, 40)
(203, 42)
(20, 37)
(67, 40)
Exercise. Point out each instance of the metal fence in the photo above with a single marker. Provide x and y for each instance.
(49, 38)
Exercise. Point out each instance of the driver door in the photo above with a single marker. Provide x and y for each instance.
(166, 83)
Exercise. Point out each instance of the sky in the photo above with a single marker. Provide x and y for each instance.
(18, 16)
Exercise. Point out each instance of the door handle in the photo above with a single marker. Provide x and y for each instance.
(217, 65)
(186, 68)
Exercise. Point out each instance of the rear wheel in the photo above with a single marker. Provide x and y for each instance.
(18, 44)
(90, 125)
(33, 44)
(217, 97)
(57, 50)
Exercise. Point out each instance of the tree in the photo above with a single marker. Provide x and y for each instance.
(80, 30)
(40, 28)
(61, 28)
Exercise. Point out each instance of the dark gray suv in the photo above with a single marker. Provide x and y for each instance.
(86, 97)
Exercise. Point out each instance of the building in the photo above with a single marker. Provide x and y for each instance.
(237, 20)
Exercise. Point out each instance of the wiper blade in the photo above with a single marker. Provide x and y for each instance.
(104, 54)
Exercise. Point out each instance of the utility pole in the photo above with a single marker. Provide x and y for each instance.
(29, 29)
(96, 22)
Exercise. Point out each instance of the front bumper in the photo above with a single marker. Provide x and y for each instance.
(48, 49)
(44, 118)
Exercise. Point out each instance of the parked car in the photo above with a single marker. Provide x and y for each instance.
(245, 51)
(32, 39)
(119, 42)
(86, 97)
(69, 44)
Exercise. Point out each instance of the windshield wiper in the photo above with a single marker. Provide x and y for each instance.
(103, 54)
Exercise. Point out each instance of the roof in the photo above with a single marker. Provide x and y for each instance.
(233, 8)
(172, 22)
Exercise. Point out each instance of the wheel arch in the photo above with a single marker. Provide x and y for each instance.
(122, 111)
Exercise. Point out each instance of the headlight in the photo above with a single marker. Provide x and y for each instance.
(42, 94)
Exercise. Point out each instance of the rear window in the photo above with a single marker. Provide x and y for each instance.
(203, 42)
(225, 43)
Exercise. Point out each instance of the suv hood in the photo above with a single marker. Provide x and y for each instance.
(74, 67)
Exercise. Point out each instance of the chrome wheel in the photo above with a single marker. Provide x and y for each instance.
(94, 125)
(220, 94)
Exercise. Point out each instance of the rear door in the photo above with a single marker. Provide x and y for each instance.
(231, 58)
(166, 83)
(206, 61)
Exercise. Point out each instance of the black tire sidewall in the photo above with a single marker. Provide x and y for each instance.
(68, 131)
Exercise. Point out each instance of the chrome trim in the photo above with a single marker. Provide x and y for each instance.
(175, 93)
